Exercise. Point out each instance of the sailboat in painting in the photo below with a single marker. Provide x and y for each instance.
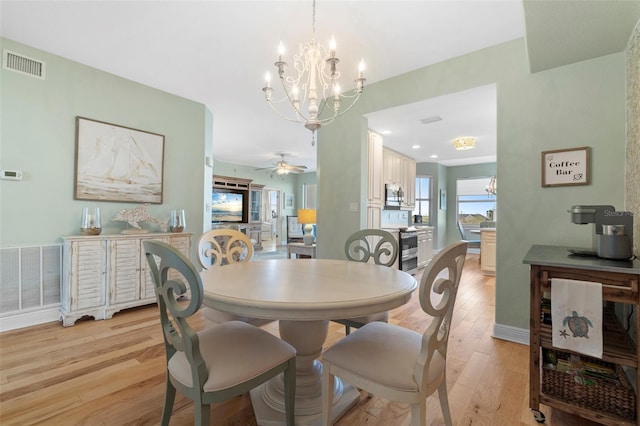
(118, 165)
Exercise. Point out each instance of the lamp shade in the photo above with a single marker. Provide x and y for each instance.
(306, 216)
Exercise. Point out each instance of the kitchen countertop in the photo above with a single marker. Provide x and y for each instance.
(560, 256)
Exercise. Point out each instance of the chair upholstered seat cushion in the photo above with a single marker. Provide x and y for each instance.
(239, 359)
(396, 349)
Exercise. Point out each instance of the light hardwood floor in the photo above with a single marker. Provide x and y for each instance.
(112, 372)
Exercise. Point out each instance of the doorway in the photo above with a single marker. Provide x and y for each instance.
(272, 228)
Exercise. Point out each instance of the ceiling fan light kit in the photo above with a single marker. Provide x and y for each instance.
(282, 168)
(313, 80)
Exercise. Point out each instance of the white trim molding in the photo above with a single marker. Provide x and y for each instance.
(511, 334)
(23, 319)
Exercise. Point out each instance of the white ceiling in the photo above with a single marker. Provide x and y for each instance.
(216, 53)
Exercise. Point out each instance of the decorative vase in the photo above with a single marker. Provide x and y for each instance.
(91, 224)
(176, 221)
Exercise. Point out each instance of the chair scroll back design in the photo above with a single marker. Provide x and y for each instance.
(436, 337)
(178, 335)
(223, 246)
(358, 247)
(219, 247)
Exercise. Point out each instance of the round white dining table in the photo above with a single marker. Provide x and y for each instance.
(304, 294)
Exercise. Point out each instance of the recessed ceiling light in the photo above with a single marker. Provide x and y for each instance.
(434, 155)
(415, 146)
(386, 132)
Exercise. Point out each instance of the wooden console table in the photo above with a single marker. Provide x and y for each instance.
(301, 250)
(620, 280)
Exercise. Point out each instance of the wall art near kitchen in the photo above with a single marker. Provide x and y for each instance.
(563, 167)
(116, 163)
(443, 199)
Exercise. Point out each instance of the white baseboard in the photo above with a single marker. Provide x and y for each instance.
(27, 319)
(511, 334)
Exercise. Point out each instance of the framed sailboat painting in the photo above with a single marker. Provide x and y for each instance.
(117, 163)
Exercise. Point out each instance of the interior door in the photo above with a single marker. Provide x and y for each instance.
(272, 213)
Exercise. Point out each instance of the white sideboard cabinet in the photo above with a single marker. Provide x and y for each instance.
(104, 274)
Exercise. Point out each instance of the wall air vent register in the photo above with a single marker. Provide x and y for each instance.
(22, 64)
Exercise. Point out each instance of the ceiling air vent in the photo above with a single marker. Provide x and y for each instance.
(431, 119)
(22, 64)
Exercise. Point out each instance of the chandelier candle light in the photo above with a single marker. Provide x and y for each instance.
(312, 80)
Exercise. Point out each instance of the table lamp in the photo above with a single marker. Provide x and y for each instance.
(307, 217)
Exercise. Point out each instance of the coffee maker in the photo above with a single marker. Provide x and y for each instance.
(613, 233)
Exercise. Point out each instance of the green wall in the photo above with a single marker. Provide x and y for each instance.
(576, 105)
(37, 136)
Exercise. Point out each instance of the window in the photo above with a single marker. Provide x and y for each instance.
(423, 198)
(473, 203)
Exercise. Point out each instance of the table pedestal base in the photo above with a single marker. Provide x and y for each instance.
(268, 399)
(268, 416)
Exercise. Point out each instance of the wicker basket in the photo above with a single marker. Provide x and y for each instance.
(601, 395)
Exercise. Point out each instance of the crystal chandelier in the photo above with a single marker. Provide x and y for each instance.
(315, 86)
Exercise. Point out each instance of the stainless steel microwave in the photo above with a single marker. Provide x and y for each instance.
(393, 196)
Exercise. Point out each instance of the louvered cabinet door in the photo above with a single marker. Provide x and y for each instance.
(124, 270)
(84, 279)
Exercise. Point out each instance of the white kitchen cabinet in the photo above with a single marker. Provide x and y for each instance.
(400, 170)
(375, 193)
(488, 251)
(104, 274)
(409, 167)
(425, 245)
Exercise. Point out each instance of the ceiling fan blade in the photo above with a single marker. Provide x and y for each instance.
(265, 168)
(298, 167)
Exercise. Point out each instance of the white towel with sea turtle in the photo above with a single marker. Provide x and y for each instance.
(576, 313)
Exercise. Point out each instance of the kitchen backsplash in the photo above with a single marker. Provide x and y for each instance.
(394, 218)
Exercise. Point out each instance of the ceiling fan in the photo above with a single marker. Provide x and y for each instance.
(284, 168)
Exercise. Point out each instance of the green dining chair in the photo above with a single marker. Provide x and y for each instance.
(219, 362)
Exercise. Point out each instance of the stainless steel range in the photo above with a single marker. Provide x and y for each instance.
(408, 253)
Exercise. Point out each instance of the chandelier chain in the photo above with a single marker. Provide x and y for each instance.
(313, 22)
